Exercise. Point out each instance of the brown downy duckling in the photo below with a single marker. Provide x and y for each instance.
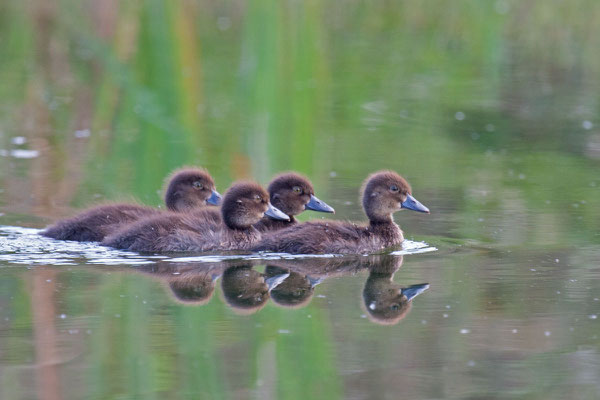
(383, 193)
(385, 301)
(247, 290)
(292, 193)
(187, 188)
(243, 205)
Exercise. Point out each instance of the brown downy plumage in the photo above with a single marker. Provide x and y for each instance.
(188, 188)
(243, 205)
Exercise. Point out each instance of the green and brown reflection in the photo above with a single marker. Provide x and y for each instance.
(289, 283)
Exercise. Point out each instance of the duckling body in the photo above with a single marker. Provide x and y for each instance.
(243, 205)
(188, 188)
(383, 193)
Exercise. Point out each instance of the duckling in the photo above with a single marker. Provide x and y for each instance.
(383, 193)
(385, 301)
(243, 205)
(247, 290)
(292, 193)
(187, 188)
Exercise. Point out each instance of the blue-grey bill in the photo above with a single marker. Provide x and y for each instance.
(214, 199)
(276, 280)
(317, 205)
(413, 204)
(413, 291)
(276, 213)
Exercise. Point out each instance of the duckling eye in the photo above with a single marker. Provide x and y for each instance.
(257, 198)
(297, 189)
(394, 188)
(198, 185)
(394, 307)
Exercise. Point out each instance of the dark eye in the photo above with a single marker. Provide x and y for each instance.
(394, 188)
(297, 189)
(394, 307)
(198, 185)
(257, 198)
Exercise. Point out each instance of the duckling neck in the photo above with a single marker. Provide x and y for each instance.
(386, 229)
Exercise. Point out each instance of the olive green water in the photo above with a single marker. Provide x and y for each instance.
(489, 108)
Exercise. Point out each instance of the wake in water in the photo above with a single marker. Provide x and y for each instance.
(24, 246)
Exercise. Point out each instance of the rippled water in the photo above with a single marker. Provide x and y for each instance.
(489, 109)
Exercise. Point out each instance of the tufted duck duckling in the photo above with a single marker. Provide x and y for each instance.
(187, 188)
(292, 193)
(383, 193)
(243, 205)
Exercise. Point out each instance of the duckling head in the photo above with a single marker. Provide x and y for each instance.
(293, 193)
(189, 188)
(385, 192)
(245, 203)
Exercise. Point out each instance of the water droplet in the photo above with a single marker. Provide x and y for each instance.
(82, 133)
(48, 280)
(63, 316)
(445, 315)
(117, 315)
(459, 115)
(464, 331)
(592, 316)
(18, 140)
(471, 363)
(223, 23)
(284, 331)
(332, 174)
(515, 330)
(547, 333)
(373, 305)
(490, 128)
(424, 322)
(587, 125)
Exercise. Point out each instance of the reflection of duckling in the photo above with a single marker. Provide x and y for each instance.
(246, 290)
(385, 301)
(383, 193)
(188, 188)
(190, 284)
(295, 291)
(244, 204)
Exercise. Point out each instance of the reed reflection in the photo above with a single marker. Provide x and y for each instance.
(289, 283)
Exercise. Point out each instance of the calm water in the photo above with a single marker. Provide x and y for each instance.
(489, 108)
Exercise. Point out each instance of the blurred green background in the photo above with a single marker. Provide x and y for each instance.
(489, 108)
